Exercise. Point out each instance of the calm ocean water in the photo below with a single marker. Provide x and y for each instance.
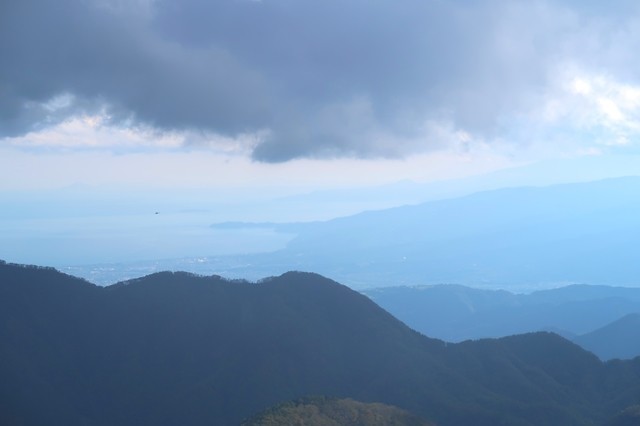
(65, 241)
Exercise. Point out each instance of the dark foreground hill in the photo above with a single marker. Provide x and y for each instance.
(321, 411)
(173, 348)
(628, 417)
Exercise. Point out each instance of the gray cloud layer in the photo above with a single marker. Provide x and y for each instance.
(327, 78)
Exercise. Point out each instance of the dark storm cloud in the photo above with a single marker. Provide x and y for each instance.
(104, 57)
(327, 78)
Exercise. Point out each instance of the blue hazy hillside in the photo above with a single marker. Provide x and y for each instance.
(603, 320)
(518, 237)
(522, 239)
(620, 339)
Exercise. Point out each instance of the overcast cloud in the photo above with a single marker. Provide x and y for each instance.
(331, 78)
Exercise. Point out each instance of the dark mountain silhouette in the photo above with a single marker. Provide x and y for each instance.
(174, 348)
(319, 411)
(628, 417)
(455, 313)
(620, 339)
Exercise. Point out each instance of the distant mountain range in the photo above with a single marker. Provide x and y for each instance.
(604, 320)
(517, 238)
(522, 239)
(174, 348)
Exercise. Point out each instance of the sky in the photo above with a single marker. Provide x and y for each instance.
(286, 97)
(246, 92)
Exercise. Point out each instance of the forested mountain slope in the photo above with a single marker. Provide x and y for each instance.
(173, 348)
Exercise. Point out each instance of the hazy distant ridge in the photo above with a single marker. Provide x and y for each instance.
(620, 339)
(517, 237)
(602, 319)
